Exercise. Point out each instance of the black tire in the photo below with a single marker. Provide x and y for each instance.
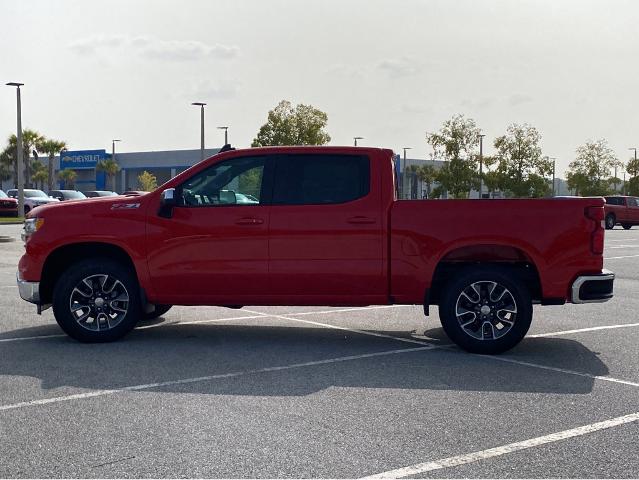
(65, 295)
(158, 312)
(611, 221)
(626, 226)
(456, 300)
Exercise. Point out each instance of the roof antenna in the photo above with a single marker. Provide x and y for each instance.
(226, 148)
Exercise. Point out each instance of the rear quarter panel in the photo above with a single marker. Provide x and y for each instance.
(553, 234)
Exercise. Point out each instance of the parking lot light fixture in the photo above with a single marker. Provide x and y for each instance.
(226, 134)
(357, 138)
(20, 152)
(201, 105)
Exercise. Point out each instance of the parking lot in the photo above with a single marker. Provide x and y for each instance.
(322, 392)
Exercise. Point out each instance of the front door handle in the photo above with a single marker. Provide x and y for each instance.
(361, 220)
(249, 221)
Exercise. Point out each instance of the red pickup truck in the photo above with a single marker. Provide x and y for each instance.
(623, 210)
(311, 226)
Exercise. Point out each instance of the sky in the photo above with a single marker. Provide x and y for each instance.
(388, 71)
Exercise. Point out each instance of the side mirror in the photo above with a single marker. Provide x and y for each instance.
(168, 200)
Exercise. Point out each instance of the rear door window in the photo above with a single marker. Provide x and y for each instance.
(308, 179)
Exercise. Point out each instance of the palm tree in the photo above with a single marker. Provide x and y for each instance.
(110, 167)
(30, 141)
(51, 148)
(40, 176)
(68, 176)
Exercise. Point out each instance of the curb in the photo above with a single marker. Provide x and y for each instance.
(4, 239)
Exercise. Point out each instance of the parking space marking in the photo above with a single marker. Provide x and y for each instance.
(36, 337)
(624, 256)
(353, 330)
(184, 381)
(505, 449)
(623, 246)
(580, 330)
(453, 348)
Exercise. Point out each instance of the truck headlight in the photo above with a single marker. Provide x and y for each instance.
(32, 225)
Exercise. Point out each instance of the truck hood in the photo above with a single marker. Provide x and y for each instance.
(88, 207)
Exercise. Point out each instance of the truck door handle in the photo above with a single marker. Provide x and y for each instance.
(360, 220)
(249, 221)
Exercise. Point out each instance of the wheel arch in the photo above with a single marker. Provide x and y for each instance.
(64, 256)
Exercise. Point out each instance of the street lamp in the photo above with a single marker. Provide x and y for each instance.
(226, 134)
(20, 152)
(554, 165)
(113, 147)
(201, 105)
(357, 138)
(404, 169)
(481, 164)
(634, 168)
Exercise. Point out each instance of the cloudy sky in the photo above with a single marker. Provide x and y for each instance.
(385, 70)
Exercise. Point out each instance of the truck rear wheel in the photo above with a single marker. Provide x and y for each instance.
(610, 221)
(626, 226)
(97, 300)
(486, 310)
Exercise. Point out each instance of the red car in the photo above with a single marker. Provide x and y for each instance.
(622, 210)
(326, 228)
(8, 205)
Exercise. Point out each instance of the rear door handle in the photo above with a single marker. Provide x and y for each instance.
(360, 220)
(249, 221)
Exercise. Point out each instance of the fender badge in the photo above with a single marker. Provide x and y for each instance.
(124, 206)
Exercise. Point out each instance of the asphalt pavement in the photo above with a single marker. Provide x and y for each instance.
(322, 392)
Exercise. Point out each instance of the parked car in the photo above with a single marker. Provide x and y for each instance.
(100, 193)
(64, 195)
(134, 192)
(8, 205)
(328, 229)
(622, 210)
(32, 198)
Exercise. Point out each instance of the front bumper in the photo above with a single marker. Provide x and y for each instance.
(593, 288)
(29, 291)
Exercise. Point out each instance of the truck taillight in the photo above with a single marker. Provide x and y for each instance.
(596, 214)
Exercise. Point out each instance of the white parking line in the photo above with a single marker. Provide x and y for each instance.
(624, 246)
(580, 330)
(448, 347)
(184, 381)
(624, 256)
(421, 468)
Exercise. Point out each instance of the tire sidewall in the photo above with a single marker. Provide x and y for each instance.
(502, 276)
(72, 276)
(610, 221)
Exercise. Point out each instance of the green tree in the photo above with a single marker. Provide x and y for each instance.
(589, 173)
(522, 168)
(457, 143)
(68, 176)
(30, 142)
(51, 148)
(110, 168)
(494, 178)
(40, 176)
(147, 181)
(428, 175)
(288, 125)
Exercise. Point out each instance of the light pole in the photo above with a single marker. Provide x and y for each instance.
(226, 134)
(113, 158)
(357, 138)
(481, 164)
(201, 105)
(554, 164)
(20, 152)
(634, 169)
(404, 169)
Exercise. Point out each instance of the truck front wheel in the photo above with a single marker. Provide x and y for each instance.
(486, 310)
(97, 300)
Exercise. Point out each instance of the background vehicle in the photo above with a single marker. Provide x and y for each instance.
(100, 193)
(63, 195)
(32, 198)
(622, 210)
(327, 230)
(8, 205)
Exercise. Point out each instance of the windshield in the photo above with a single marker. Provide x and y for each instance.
(74, 195)
(35, 194)
(3, 195)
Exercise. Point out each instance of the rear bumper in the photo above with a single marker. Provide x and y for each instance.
(593, 288)
(29, 291)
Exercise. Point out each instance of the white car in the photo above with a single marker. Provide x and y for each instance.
(32, 198)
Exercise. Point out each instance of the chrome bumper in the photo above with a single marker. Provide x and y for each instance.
(29, 291)
(593, 288)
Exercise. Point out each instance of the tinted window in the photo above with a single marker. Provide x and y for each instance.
(320, 179)
(237, 181)
(614, 201)
(632, 202)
